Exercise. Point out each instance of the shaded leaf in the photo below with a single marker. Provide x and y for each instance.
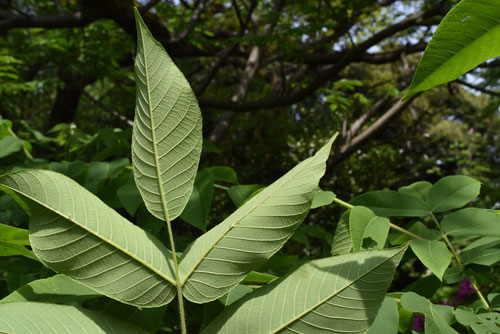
(467, 36)
(425, 286)
(222, 257)
(363, 223)
(452, 192)
(387, 320)
(166, 140)
(433, 254)
(342, 243)
(437, 317)
(73, 232)
(484, 323)
(129, 197)
(240, 193)
(223, 174)
(9, 145)
(55, 289)
(418, 189)
(200, 201)
(30, 317)
(14, 235)
(11, 249)
(398, 238)
(388, 203)
(472, 222)
(336, 293)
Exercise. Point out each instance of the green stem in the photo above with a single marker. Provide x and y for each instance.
(220, 187)
(457, 258)
(393, 226)
(342, 203)
(177, 278)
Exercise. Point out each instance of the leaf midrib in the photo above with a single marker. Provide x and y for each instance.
(321, 302)
(110, 242)
(188, 275)
(153, 133)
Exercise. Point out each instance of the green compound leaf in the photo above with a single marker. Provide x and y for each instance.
(222, 257)
(73, 232)
(485, 251)
(363, 224)
(166, 140)
(437, 317)
(342, 243)
(335, 294)
(473, 222)
(452, 192)
(388, 203)
(433, 254)
(467, 36)
(322, 198)
(29, 317)
(484, 323)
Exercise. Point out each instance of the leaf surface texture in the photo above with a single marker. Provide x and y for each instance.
(73, 232)
(222, 257)
(167, 139)
(334, 295)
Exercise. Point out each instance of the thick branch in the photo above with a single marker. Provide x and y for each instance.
(478, 88)
(355, 143)
(327, 75)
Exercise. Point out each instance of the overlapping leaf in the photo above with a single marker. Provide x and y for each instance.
(466, 37)
(29, 317)
(342, 243)
(167, 140)
(223, 256)
(336, 294)
(75, 233)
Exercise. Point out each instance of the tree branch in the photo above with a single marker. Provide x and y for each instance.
(478, 88)
(355, 143)
(328, 74)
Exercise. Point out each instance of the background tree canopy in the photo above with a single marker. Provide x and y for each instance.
(274, 78)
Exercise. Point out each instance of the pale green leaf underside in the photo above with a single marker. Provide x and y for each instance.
(342, 243)
(434, 255)
(467, 36)
(336, 295)
(223, 256)
(73, 232)
(41, 318)
(167, 139)
(484, 323)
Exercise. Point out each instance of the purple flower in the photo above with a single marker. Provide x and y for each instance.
(418, 323)
(464, 290)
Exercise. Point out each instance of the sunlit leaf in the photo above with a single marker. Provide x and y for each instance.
(452, 192)
(167, 139)
(467, 36)
(334, 294)
(222, 257)
(73, 232)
